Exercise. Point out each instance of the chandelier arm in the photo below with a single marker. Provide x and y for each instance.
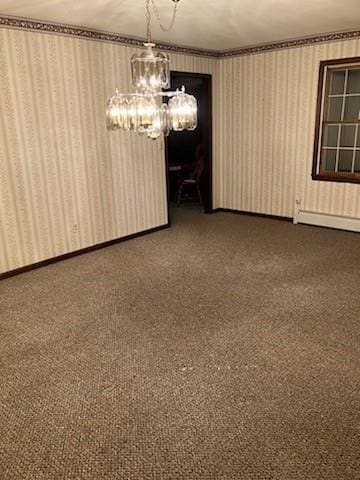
(152, 94)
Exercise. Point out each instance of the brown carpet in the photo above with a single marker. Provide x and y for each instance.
(227, 347)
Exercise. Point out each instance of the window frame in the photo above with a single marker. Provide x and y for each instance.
(323, 85)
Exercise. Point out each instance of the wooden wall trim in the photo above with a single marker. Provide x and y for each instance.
(82, 251)
(82, 32)
(253, 214)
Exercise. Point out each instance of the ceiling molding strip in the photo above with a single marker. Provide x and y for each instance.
(61, 29)
(300, 42)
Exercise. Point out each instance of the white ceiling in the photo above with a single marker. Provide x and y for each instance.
(209, 24)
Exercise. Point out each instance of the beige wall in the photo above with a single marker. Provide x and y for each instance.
(268, 104)
(65, 182)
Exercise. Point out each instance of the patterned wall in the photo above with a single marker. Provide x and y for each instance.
(65, 182)
(268, 104)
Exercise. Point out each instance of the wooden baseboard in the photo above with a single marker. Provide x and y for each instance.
(253, 214)
(82, 251)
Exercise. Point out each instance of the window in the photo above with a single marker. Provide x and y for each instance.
(337, 135)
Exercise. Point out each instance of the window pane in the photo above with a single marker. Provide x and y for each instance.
(345, 160)
(328, 160)
(352, 108)
(357, 162)
(331, 135)
(347, 136)
(337, 152)
(337, 81)
(353, 83)
(334, 109)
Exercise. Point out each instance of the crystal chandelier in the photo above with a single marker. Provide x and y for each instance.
(144, 111)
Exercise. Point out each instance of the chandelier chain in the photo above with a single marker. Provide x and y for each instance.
(158, 17)
(148, 20)
(157, 13)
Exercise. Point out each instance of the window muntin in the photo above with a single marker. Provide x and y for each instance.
(338, 145)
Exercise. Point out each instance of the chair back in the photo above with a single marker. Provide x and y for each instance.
(198, 164)
(199, 152)
(199, 168)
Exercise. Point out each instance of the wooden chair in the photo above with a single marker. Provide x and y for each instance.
(190, 187)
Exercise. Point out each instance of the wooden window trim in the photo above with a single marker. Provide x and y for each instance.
(321, 95)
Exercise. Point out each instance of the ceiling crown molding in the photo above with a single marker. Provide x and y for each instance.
(86, 33)
(82, 32)
(298, 42)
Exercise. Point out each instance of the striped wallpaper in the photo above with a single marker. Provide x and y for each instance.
(65, 182)
(267, 117)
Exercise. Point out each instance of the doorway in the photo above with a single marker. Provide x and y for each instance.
(188, 154)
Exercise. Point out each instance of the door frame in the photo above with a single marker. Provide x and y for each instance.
(208, 77)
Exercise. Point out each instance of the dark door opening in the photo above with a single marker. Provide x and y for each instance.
(188, 154)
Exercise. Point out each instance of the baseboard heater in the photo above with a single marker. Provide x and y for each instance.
(324, 220)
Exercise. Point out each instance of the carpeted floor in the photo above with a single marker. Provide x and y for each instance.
(227, 347)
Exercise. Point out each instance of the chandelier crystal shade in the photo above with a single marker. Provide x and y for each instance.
(144, 111)
(150, 70)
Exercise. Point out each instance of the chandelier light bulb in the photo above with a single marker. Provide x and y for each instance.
(183, 111)
(113, 113)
